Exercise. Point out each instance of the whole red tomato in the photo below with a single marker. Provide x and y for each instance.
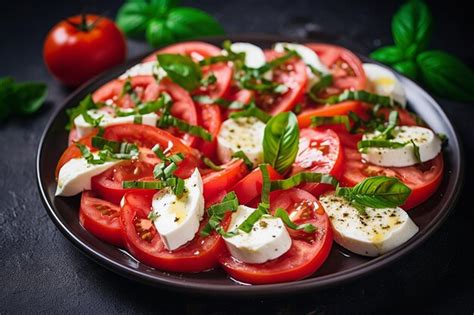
(82, 46)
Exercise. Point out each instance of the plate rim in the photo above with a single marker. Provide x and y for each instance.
(326, 281)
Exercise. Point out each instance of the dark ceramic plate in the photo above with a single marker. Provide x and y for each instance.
(341, 265)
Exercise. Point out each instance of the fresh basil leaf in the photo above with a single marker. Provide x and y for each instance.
(30, 96)
(446, 75)
(182, 70)
(132, 18)
(280, 142)
(6, 97)
(412, 24)
(158, 34)
(408, 68)
(249, 222)
(376, 192)
(388, 55)
(363, 145)
(187, 23)
(416, 152)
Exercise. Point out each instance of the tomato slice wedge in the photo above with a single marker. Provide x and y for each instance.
(143, 241)
(72, 152)
(304, 119)
(217, 181)
(101, 218)
(198, 51)
(319, 151)
(293, 75)
(250, 187)
(345, 67)
(307, 252)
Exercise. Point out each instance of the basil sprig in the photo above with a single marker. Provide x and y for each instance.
(441, 72)
(280, 142)
(163, 22)
(20, 98)
(376, 192)
(181, 69)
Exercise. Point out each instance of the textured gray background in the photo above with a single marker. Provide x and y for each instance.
(41, 271)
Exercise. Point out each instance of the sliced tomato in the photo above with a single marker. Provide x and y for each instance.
(217, 181)
(183, 106)
(293, 75)
(148, 137)
(112, 91)
(406, 118)
(319, 151)
(346, 68)
(72, 152)
(143, 241)
(101, 218)
(108, 185)
(250, 187)
(211, 117)
(423, 180)
(198, 51)
(307, 252)
(304, 119)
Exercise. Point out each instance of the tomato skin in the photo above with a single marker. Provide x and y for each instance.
(217, 181)
(304, 119)
(295, 79)
(74, 56)
(211, 120)
(101, 218)
(73, 152)
(305, 255)
(250, 187)
(351, 76)
(319, 151)
(422, 183)
(198, 255)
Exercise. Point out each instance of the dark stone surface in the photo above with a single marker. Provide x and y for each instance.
(40, 269)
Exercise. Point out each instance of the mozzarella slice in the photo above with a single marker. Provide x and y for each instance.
(309, 57)
(267, 240)
(109, 119)
(145, 68)
(376, 233)
(254, 56)
(426, 140)
(178, 218)
(384, 82)
(75, 176)
(241, 134)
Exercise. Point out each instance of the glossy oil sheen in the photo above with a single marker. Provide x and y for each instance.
(341, 266)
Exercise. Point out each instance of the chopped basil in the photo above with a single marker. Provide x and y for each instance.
(252, 110)
(325, 80)
(207, 161)
(249, 222)
(171, 121)
(303, 177)
(283, 215)
(360, 95)
(241, 155)
(216, 212)
(87, 103)
(363, 145)
(416, 152)
(334, 120)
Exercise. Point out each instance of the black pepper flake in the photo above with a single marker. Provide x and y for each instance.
(176, 219)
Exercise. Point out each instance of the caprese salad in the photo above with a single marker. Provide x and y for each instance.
(248, 159)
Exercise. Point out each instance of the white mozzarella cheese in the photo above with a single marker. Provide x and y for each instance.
(309, 57)
(241, 134)
(254, 56)
(384, 82)
(108, 119)
(75, 176)
(177, 219)
(426, 140)
(267, 240)
(376, 233)
(145, 68)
